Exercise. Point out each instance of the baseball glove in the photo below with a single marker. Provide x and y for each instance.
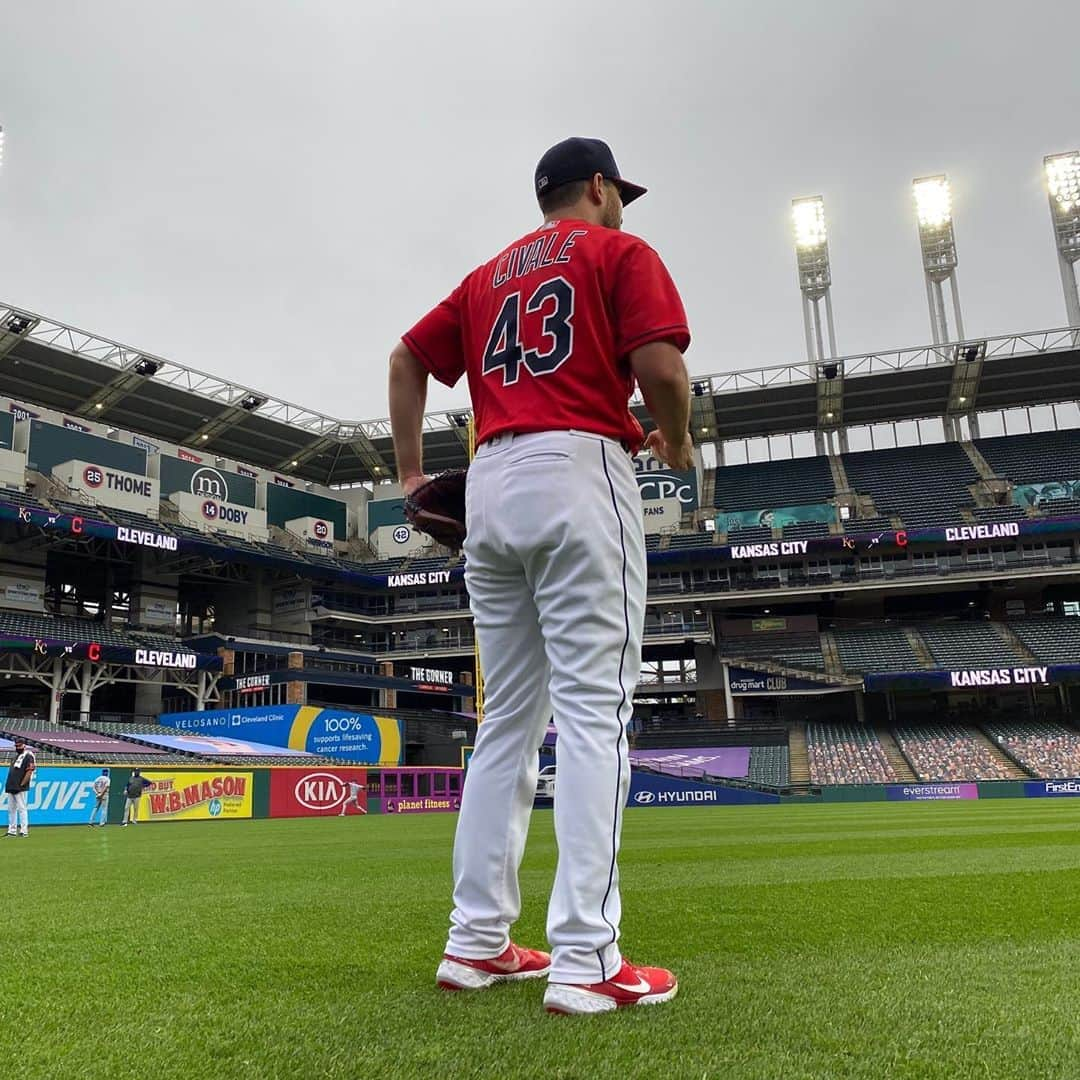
(437, 508)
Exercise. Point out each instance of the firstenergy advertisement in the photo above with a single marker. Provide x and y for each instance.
(196, 796)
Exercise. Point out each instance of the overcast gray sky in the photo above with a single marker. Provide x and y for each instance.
(274, 190)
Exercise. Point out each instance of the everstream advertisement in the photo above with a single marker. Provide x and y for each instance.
(336, 733)
(209, 795)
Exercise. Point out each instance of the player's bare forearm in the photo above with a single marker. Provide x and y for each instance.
(408, 397)
(665, 385)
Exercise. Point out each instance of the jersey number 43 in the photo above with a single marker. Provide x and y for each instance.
(552, 333)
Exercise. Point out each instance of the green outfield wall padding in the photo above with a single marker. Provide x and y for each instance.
(854, 793)
(1001, 789)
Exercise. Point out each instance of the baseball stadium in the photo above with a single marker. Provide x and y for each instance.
(851, 825)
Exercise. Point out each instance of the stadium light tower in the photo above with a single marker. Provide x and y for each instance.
(1063, 188)
(933, 210)
(815, 275)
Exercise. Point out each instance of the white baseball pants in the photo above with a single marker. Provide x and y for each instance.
(556, 578)
(18, 822)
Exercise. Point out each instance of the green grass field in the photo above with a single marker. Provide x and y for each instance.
(853, 940)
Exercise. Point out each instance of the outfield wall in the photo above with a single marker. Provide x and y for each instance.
(62, 794)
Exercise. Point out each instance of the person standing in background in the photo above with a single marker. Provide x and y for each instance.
(133, 792)
(101, 800)
(20, 774)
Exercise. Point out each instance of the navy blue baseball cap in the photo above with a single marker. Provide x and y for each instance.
(581, 159)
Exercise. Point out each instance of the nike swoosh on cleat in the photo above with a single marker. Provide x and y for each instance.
(642, 987)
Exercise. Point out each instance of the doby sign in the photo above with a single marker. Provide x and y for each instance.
(216, 515)
(106, 486)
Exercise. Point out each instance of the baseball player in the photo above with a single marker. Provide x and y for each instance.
(19, 777)
(100, 809)
(552, 334)
(353, 799)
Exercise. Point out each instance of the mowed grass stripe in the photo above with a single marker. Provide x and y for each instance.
(862, 940)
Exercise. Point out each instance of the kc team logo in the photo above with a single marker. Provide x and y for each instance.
(93, 476)
(207, 483)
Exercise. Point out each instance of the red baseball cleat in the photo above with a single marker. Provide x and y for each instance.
(631, 986)
(511, 965)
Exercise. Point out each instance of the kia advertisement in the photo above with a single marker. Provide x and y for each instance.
(317, 792)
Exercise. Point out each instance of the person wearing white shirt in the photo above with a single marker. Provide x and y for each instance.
(101, 800)
(353, 799)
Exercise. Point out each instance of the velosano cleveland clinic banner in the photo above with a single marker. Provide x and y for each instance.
(336, 733)
(196, 796)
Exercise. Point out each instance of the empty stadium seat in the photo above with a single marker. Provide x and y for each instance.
(801, 650)
(875, 649)
(923, 485)
(769, 765)
(1052, 638)
(1033, 459)
(765, 484)
(968, 645)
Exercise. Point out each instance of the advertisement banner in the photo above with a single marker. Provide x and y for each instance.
(86, 742)
(421, 804)
(731, 762)
(1037, 494)
(930, 792)
(215, 746)
(745, 681)
(196, 796)
(776, 517)
(660, 514)
(1051, 789)
(58, 796)
(336, 733)
(650, 790)
(656, 483)
(316, 792)
(22, 594)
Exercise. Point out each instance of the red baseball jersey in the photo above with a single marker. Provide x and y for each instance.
(544, 331)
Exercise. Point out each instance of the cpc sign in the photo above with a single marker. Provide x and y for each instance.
(93, 476)
(657, 484)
